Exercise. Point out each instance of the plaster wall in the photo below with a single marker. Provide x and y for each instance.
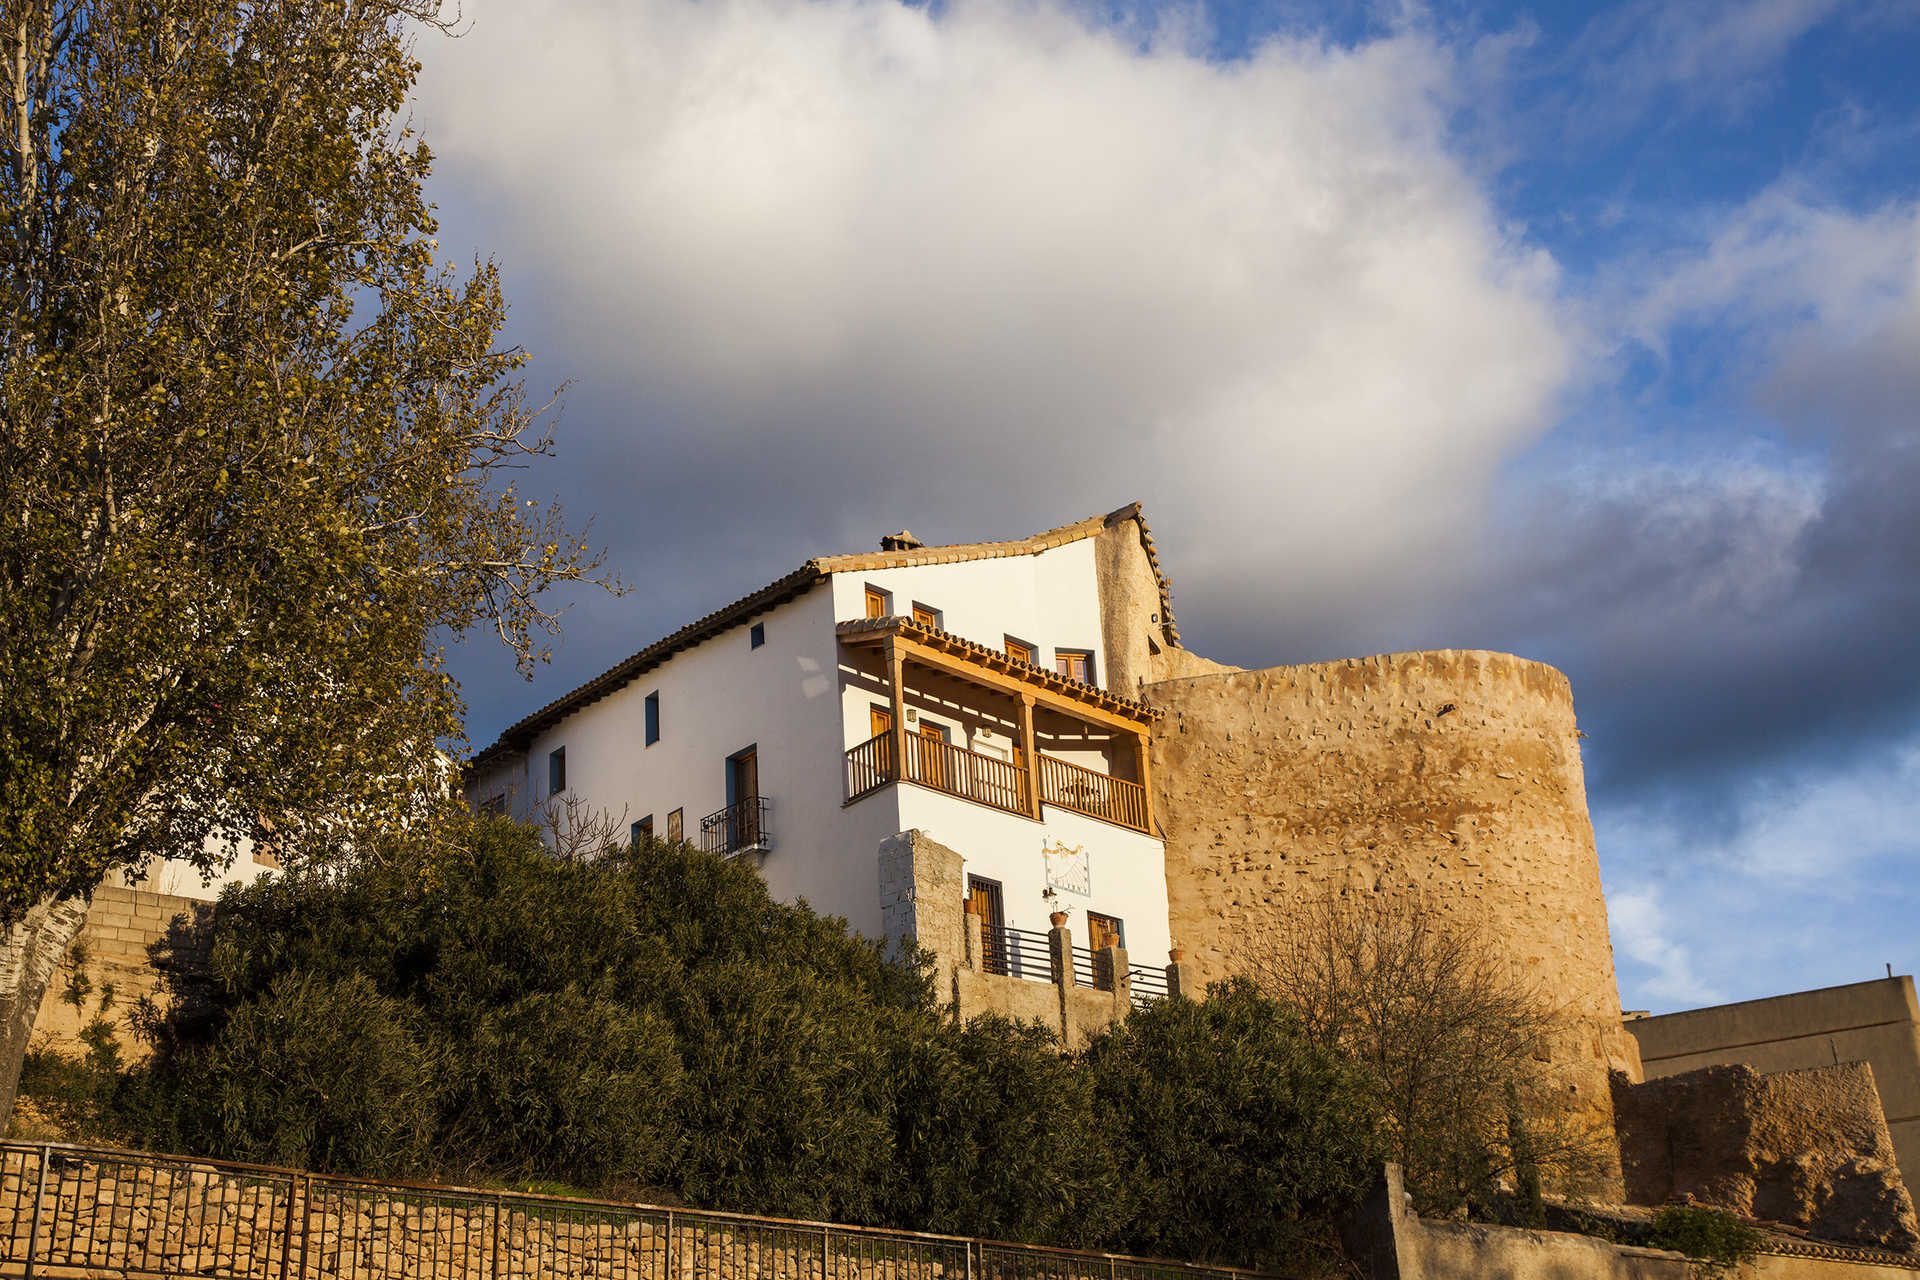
(1876, 1022)
(1450, 777)
(717, 699)
(1125, 867)
(1049, 599)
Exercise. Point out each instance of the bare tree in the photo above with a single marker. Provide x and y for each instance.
(1459, 1045)
(579, 831)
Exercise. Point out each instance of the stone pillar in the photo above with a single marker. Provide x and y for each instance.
(1060, 947)
(1115, 961)
(1181, 978)
(972, 927)
(921, 890)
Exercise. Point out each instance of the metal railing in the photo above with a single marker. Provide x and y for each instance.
(1144, 986)
(1093, 968)
(1098, 795)
(68, 1211)
(737, 828)
(1016, 953)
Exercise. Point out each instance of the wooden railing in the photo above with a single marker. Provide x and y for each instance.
(967, 774)
(1098, 795)
(993, 781)
(870, 766)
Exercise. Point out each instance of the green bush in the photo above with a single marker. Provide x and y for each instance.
(1238, 1136)
(1715, 1239)
(651, 1022)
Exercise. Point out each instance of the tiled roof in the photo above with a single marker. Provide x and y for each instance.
(519, 734)
(999, 659)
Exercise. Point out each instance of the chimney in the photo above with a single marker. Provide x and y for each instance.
(901, 541)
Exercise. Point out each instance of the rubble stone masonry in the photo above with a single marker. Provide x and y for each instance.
(1453, 777)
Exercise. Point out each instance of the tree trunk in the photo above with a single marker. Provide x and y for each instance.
(30, 951)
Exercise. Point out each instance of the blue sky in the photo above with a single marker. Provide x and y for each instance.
(1589, 333)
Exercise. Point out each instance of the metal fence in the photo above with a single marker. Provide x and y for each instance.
(1016, 953)
(1146, 986)
(69, 1211)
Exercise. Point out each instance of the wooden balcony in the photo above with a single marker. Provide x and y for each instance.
(989, 780)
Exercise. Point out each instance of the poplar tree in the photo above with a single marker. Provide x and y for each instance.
(253, 437)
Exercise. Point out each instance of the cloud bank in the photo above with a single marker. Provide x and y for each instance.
(990, 270)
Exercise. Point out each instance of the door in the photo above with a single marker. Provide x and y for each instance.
(743, 800)
(984, 897)
(1104, 932)
(934, 770)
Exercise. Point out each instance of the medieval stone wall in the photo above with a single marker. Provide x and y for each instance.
(127, 930)
(1450, 777)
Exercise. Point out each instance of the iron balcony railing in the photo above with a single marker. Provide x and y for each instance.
(739, 828)
(1144, 986)
(69, 1211)
(1093, 968)
(1015, 953)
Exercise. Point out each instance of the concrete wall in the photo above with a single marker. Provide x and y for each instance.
(1876, 1022)
(123, 926)
(1450, 777)
(1391, 1242)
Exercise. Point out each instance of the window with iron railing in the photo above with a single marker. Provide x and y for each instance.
(741, 827)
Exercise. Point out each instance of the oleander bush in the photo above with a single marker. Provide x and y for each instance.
(649, 1023)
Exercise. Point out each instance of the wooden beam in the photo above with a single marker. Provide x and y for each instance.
(1029, 755)
(1143, 758)
(897, 700)
(980, 674)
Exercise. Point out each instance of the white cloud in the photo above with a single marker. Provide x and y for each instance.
(1643, 933)
(1070, 266)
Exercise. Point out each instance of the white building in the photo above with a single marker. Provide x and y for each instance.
(977, 693)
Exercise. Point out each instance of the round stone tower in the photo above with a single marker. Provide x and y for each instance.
(1453, 776)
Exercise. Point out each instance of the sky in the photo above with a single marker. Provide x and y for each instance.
(1589, 333)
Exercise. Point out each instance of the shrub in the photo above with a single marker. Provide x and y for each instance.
(1715, 1239)
(1237, 1138)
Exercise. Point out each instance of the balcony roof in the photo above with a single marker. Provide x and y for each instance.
(1007, 670)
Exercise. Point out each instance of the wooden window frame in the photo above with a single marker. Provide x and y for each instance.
(639, 830)
(878, 598)
(1062, 657)
(927, 616)
(1014, 644)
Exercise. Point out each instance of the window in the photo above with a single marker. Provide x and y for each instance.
(677, 825)
(1020, 651)
(1104, 932)
(926, 616)
(653, 717)
(1074, 664)
(756, 635)
(556, 771)
(640, 832)
(879, 603)
(494, 806)
(983, 897)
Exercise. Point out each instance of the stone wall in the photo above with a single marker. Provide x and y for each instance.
(1806, 1148)
(1450, 777)
(126, 931)
(1877, 1022)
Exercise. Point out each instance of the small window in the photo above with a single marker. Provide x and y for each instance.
(926, 616)
(677, 824)
(640, 832)
(556, 771)
(653, 717)
(879, 603)
(756, 635)
(1074, 664)
(1020, 651)
(494, 806)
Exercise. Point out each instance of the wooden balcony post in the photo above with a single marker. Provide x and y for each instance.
(1143, 766)
(1029, 756)
(897, 700)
